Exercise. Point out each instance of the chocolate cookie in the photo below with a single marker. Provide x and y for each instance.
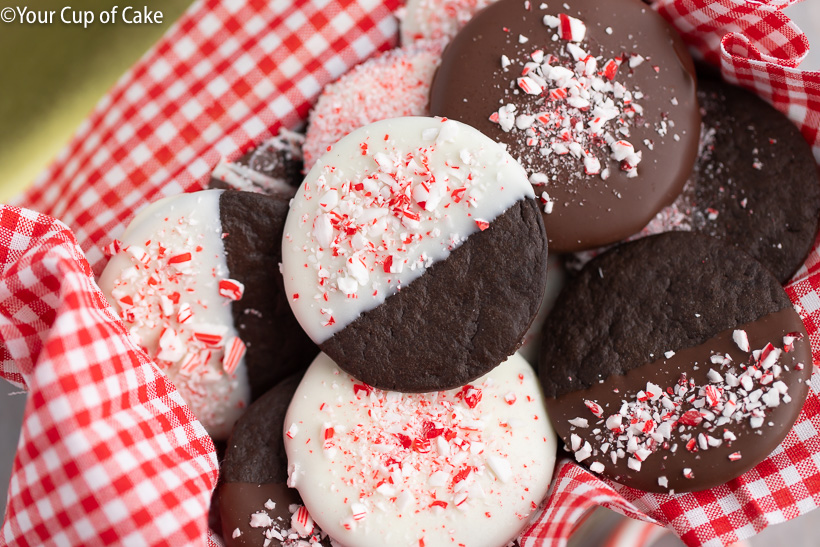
(755, 184)
(683, 384)
(274, 167)
(195, 280)
(254, 498)
(414, 254)
(276, 344)
(596, 100)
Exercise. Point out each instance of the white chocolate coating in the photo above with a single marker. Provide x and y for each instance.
(384, 204)
(462, 467)
(168, 304)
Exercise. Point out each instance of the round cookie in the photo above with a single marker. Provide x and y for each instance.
(684, 384)
(414, 254)
(191, 280)
(596, 100)
(393, 84)
(437, 19)
(253, 493)
(274, 167)
(462, 467)
(755, 184)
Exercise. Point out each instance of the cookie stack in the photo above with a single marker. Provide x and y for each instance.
(413, 255)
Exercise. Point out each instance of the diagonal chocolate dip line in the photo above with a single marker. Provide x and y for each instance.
(712, 466)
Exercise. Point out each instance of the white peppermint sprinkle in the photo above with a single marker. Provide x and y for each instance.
(741, 339)
(260, 520)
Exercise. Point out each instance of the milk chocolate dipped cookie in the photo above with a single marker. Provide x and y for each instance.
(684, 384)
(414, 254)
(195, 280)
(393, 84)
(255, 502)
(595, 99)
(274, 167)
(462, 467)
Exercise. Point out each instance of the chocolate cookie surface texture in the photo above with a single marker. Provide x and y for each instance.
(755, 184)
(414, 254)
(684, 384)
(595, 99)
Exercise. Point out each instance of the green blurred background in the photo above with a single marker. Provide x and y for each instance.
(52, 75)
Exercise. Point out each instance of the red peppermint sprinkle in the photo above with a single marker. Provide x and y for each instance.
(610, 69)
(180, 258)
(595, 408)
(712, 395)
(572, 29)
(115, 247)
(184, 313)
(471, 395)
(302, 522)
(231, 289)
(734, 456)
(482, 224)
(691, 418)
(234, 351)
(210, 335)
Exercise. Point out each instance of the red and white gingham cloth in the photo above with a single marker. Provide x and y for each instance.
(109, 453)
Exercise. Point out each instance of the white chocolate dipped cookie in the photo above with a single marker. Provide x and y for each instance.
(186, 277)
(413, 244)
(463, 467)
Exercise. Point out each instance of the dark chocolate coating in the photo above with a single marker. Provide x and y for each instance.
(589, 212)
(460, 319)
(640, 299)
(778, 223)
(239, 500)
(276, 344)
(712, 466)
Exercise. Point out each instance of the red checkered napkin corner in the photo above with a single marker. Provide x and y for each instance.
(757, 47)
(109, 452)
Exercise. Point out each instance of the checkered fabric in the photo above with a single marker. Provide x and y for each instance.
(109, 453)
